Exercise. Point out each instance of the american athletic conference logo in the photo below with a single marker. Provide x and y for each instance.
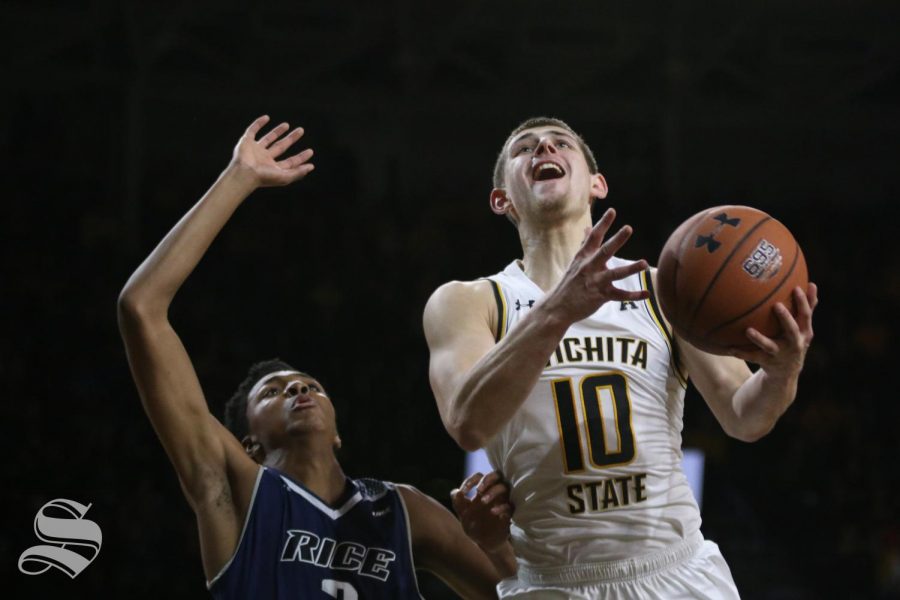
(60, 532)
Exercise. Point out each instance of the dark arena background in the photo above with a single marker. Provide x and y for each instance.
(116, 117)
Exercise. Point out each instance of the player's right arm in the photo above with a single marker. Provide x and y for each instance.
(479, 384)
(216, 475)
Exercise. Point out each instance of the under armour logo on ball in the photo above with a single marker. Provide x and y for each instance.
(710, 240)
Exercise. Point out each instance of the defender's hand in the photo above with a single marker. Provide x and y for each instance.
(486, 516)
(259, 158)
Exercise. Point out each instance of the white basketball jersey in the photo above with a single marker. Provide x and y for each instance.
(594, 453)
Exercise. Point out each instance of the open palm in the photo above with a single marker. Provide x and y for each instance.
(261, 157)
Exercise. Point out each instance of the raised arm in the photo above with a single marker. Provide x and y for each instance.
(480, 384)
(205, 455)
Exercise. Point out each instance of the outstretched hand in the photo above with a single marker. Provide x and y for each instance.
(486, 516)
(260, 158)
(588, 282)
(784, 356)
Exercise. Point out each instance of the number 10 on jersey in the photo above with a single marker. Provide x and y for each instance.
(606, 412)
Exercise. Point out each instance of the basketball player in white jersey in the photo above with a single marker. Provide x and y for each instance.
(563, 367)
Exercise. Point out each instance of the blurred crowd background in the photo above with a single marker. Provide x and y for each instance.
(118, 116)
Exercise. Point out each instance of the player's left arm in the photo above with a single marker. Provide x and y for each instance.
(748, 404)
(441, 546)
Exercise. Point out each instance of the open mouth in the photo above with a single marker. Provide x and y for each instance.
(547, 170)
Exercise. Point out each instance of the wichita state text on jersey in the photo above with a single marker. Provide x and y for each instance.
(594, 453)
(600, 349)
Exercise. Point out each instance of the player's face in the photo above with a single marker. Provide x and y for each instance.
(546, 170)
(289, 403)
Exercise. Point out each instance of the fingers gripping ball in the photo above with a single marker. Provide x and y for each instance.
(722, 271)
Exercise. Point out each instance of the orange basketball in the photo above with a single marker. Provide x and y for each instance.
(722, 271)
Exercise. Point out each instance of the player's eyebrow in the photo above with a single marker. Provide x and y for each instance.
(531, 134)
(270, 379)
(297, 377)
(273, 382)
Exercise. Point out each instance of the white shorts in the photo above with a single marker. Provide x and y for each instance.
(693, 569)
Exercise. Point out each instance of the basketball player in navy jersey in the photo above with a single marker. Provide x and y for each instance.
(277, 517)
(564, 369)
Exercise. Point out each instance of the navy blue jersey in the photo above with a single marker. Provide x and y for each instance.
(294, 545)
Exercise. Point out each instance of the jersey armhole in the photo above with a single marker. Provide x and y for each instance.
(652, 305)
(412, 556)
(237, 547)
(500, 330)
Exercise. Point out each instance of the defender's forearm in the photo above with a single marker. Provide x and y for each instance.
(153, 285)
(504, 560)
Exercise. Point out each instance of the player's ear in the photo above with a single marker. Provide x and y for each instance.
(599, 189)
(253, 448)
(500, 202)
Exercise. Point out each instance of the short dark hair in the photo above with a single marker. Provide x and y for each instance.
(500, 165)
(236, 407)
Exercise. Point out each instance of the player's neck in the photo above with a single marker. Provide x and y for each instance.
(317, 469)
(548, 250)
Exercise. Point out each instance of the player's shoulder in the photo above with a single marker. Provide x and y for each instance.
(417, 502)
(463, 289)
(374, 489)
(430, 522)
(459, 296)
(379, 492)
